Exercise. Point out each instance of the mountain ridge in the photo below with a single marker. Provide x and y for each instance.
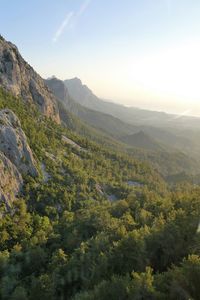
(133, 115)
(142, 140)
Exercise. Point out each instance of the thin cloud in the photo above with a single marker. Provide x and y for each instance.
(71, 20)
(83, 7)
(62, 27)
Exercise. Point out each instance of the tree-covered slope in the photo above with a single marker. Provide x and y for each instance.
(180, 133)
(142, 140)
(108, 130)
(67, 238)
(101, 121)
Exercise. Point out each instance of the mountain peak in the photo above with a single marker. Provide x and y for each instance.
(141, 139)
(75, 80)
(51, 77)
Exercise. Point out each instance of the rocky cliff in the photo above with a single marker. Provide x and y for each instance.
(11, 180)
(18, 77)
(13, 143)
(16, 158)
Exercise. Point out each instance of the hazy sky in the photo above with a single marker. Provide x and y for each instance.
(142, 53)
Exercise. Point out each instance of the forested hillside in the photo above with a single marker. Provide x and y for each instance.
(99, 198)
(156, 146)
(88, 208)
(95, 224)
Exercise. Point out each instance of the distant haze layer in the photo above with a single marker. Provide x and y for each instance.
(139, 53)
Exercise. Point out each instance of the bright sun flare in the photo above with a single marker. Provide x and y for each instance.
(174, 71)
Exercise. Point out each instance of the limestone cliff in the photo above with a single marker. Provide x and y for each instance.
(13, 143)
(18, 77)
(10, 180)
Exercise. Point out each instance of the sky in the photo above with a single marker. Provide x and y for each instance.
(143, 53)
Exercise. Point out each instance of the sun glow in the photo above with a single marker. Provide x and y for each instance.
(174, 71)
(165, 78)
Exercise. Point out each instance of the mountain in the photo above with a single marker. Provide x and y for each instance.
(136, 116)
(18, 77)
(95, 222)
(30, 142)
(142, 140)
(155, 145)
(97, 213)
(83, 95)
(96, 125)
(102, 121)
(59, 89)
(181, 133)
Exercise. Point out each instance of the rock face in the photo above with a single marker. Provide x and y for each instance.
(13, 143)
(11, 180)
(58, 88)
(18, 77)
(82, 94)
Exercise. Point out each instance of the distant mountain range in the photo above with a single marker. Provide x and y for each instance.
(103, 121)
(84, 96)
(90, 205)
(157, 144)
(166, 131)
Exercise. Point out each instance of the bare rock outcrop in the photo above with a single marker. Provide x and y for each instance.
(13, 143)
(10, 181)
(18, 77)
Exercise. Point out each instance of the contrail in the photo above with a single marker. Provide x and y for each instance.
(71, 20)
(62, 27)
(83, 7)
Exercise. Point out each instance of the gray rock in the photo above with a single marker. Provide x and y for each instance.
(134, 183)
(72, 143)
(13, 143)
(18, 77)
(45, 174)
(10, 181)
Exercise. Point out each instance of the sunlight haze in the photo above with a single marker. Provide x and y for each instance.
(138, 53)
